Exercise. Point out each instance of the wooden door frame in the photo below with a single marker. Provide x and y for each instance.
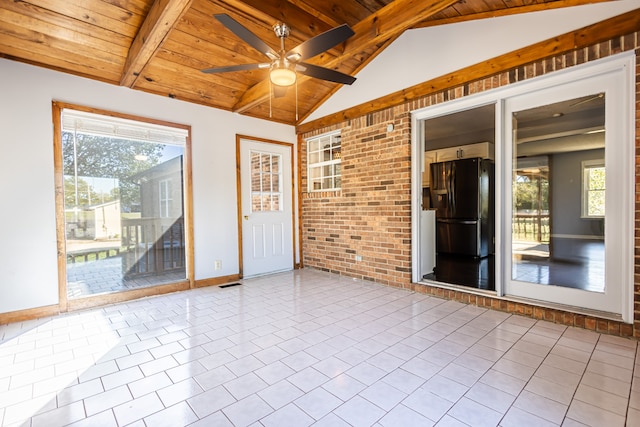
(294, 234)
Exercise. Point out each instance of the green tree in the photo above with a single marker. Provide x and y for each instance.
(87, 193)
(531, 193)
(525, 193)
(106, 157)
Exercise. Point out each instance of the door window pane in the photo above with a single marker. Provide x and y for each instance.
(558, 194)
(458, 215)
(265, 182)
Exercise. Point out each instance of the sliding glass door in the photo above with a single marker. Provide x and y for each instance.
(565, 212)
(564, 187)
(124, 203)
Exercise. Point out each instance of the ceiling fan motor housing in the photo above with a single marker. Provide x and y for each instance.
(282, 30)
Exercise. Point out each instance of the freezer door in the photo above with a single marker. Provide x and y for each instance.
(461, 237)
(465, 189)
(455, 188)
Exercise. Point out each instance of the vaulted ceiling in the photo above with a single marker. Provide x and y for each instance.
(161, 46)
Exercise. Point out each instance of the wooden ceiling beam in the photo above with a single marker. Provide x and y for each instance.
(350, 12)
(508, 11)
(386, 23)
(626, 23)
(327, 19)
(390, 21)
(301, 23)
(161, 19)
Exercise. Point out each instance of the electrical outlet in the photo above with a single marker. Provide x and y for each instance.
(358, 258)
(217, 264)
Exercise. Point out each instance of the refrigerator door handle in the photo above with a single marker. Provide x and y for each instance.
(452, 188)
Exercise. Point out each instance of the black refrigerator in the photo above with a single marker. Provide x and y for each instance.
(462, 194)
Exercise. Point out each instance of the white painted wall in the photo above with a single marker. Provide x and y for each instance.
(28, 268)
(425, 53)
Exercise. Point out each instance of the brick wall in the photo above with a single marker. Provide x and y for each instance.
(370, 217)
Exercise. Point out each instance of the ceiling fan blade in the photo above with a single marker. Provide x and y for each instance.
(239, 67)
(279, 91)
(324, 73)
(251, 39)
(320, 43)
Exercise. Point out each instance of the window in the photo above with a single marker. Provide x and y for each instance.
(266, 178)
(324, 158)
(123, 200)
(593, 188)
(165, 198)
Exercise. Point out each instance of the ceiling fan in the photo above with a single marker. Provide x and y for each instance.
(284, 65)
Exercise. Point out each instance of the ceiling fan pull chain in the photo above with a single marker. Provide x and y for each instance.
(270, 96)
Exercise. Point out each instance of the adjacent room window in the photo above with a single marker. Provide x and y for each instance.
(593, 188)
(324, 162)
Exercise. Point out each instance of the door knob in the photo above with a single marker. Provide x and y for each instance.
(246, 217)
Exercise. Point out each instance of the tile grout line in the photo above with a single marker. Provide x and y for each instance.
(573, 396)
(494, 363)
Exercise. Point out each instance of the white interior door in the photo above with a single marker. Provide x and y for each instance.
(267, 209)
(556, 251)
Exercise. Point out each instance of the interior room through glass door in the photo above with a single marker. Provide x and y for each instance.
(558, 206)
(457, 219)
(562, 210)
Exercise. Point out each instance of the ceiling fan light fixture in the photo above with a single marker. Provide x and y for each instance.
(281, 75)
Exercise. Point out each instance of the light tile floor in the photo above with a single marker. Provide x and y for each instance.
(311, 348)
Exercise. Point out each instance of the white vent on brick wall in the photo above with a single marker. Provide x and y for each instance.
(99, 125)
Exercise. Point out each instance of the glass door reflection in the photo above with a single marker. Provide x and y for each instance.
(558, 184)
(123, 204)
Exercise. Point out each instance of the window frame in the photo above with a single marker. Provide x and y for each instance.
(334, 162)
(586, 165)
(65, 303)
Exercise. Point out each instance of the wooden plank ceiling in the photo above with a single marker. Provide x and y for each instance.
(160, 46)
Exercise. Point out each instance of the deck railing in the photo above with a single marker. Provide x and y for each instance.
(152, 246)
(531, 227)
